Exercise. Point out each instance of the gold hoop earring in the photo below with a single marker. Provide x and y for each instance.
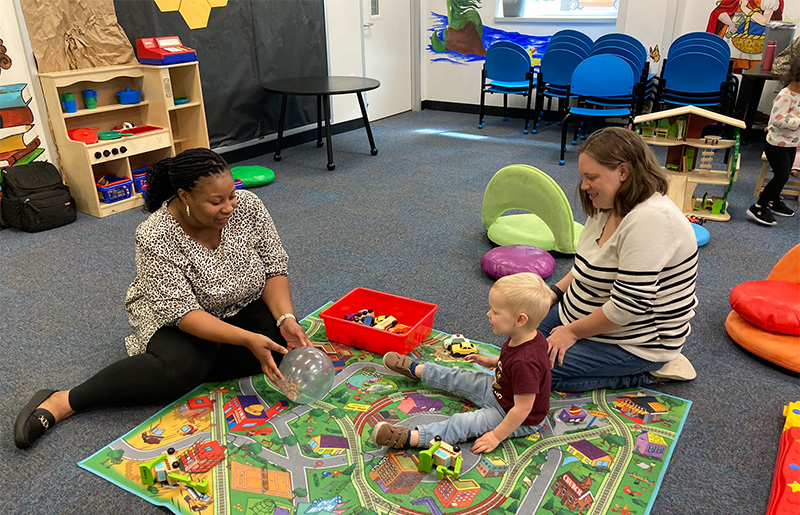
(188, 213)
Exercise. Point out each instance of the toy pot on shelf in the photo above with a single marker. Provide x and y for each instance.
(130, 96)
(83, 135)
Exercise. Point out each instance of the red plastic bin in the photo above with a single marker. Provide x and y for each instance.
(415, 314)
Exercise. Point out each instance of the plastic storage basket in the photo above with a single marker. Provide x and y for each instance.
(118, 188)
(415, 314)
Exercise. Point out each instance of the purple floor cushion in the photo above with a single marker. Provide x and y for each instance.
(512, 259)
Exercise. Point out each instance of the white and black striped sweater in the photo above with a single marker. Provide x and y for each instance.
(643, 278)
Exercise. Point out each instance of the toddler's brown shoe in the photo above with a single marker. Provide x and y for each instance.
(390, 435)
(399, 363)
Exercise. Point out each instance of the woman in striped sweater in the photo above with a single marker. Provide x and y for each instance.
(621, 316)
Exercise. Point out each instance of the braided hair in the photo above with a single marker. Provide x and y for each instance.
(180, 172)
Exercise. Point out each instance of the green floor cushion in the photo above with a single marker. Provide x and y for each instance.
(253, 176)
(527, 229)
(548, 224)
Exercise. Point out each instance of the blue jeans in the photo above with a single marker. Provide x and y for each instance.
(476, 388)
(589, 364)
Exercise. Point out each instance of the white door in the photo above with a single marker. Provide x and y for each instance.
(387, 55)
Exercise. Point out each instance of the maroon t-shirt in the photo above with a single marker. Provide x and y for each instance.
(524, 369)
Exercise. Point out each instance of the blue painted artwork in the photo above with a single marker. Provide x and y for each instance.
(535, 45)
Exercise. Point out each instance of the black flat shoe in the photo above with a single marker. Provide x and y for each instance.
(31, 422)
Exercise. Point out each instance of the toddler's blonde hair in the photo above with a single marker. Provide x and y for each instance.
(526, 293)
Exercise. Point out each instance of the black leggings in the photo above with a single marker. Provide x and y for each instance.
(780, 159)
(175, 363)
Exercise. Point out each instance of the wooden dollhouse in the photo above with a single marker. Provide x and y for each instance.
(695, 145)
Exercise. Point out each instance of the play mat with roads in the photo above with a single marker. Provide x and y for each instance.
(240, 447)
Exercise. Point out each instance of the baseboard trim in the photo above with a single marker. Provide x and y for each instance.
(456, 107)
(268, 147)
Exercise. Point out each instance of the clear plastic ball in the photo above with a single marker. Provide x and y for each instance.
(308, 375)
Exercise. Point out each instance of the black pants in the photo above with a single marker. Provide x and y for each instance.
(175, 363)
(780, 159)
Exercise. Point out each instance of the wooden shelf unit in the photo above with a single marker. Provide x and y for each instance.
(81, 163)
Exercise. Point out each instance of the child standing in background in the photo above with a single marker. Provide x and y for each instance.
(514, 402)
(783, 138)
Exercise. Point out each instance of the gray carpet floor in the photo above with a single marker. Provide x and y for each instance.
(406, 221)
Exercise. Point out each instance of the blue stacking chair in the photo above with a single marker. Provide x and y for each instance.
(599, 76)
(706, 39)
(576, 36)
(634, 52)
(696, 78)
(623, 40)
(566, 49)
(555, 74)
(508, 71)
(698, 71)
(639, 69)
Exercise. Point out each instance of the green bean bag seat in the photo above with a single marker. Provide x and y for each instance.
(253, 176)
(548, 223)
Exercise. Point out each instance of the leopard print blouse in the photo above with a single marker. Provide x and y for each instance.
(176, 274)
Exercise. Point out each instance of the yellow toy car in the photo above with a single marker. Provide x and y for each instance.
(458, 345)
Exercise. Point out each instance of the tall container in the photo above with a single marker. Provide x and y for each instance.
(781, 32)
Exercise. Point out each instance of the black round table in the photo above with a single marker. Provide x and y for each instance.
(323, 88)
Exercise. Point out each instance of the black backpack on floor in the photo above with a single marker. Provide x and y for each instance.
(34, 198)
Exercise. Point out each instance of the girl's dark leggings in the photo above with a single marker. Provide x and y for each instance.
(175, 363)
(780, 159)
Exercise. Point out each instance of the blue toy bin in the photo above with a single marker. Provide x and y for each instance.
(139, 178)
(118, 188)
(130, 96)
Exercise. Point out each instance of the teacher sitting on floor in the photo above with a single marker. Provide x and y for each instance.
(210, 302)
(621, 316)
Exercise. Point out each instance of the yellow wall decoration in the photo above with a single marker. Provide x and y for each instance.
(194, 12)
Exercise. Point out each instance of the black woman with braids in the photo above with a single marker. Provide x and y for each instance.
(211, 299)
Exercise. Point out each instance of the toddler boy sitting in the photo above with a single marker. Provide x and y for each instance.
(514, 401)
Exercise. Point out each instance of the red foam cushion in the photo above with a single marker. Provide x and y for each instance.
(770, 305)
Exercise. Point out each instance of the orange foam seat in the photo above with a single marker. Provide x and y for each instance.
(781, 349)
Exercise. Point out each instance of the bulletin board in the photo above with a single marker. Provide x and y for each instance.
(244, 45)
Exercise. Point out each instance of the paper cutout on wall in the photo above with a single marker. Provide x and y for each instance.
(194, 12)
(5, 61)
(744, 31)
(19, 141)
(535, 45)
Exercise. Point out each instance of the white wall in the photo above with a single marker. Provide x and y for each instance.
(650, 21)
(345, 52)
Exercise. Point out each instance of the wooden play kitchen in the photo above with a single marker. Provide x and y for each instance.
(164, 105)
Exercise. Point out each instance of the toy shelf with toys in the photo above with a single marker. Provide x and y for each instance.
(693, 139)
(111, 122)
